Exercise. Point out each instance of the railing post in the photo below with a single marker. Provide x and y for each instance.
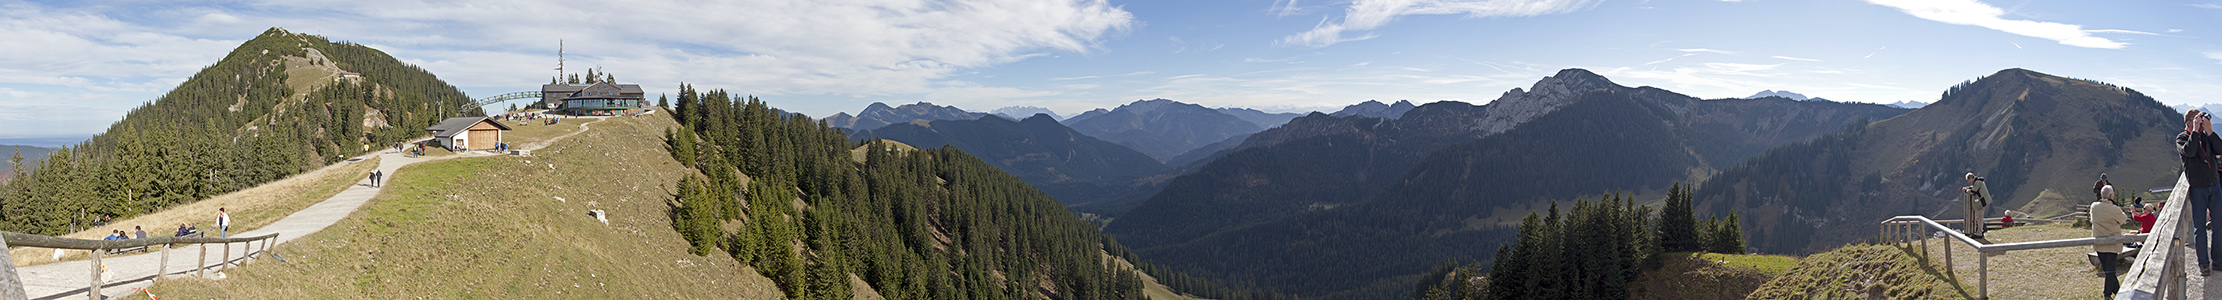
(163, 268)
(201, 268)
(1924, 243)
(247, 250)
(1982, 274)
(225, 261)
(94, 291)
(1948, 270)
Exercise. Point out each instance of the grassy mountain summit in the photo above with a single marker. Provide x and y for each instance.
(280, 104)
(2039, 139)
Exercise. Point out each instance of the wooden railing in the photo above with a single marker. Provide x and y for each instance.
(2159, 257)
(11, 285)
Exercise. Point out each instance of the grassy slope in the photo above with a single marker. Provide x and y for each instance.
(1688, 275)
(491, 227)
(1861, 272)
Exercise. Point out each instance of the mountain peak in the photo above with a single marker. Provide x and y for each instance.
(1775, 93)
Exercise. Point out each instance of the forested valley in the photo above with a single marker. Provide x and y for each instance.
(812, 207)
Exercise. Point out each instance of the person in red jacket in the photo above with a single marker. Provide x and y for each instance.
(2145, 218)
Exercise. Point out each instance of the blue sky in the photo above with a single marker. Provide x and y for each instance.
(74, 67)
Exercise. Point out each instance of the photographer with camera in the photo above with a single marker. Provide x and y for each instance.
(1978, 199)
(2197, 147)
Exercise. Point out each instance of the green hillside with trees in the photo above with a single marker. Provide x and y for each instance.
(784, 194)
(276, 106)
(1072, 167)
(2039, 139)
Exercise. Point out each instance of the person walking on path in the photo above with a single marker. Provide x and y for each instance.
(1978, 199)
(223, 223)
(2196, 148)
(374, 178)
(2106, 221)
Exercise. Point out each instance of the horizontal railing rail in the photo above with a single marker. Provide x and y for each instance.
(11, 285)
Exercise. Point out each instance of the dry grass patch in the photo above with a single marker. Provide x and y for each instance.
(250, 209)
(1697, 275)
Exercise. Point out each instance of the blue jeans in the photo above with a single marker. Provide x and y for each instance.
(2202, 201)
(225, 232)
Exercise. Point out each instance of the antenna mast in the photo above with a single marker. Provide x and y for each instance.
(559, 60)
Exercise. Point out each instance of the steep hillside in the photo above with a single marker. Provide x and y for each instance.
(787, 197)
(278, 105)
(1161, 128)
(2039, 139)
(1067, 165)
(878, 114)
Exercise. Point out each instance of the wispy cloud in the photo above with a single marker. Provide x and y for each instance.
(1794, 58)
(1708, 51)
(1971, 12)
(1719, 78)
(1363, 15)
(2207, 5)
(2214, 55)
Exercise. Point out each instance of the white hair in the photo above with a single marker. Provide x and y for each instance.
(2106, 191)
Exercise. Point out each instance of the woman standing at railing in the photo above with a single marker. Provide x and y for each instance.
(2106, 221)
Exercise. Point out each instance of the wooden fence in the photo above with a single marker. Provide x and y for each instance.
(11, 285)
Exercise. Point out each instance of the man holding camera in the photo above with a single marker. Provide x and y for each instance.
(1978, 199)
(2197, 147)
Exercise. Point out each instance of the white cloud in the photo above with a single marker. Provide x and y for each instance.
(1365, 15)
(1794, 58)
(1971, 12)
(2207, 5)
(2215, 55)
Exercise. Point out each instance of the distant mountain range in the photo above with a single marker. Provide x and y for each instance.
(1261, 118)
(1784, 94)
(1016, 113)
(1372, 108)
(1161, 128)
(1350, 206)
(2187, 108)
(1908, 104)
(879, 114)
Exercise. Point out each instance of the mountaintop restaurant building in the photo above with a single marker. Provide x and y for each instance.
(597, 99)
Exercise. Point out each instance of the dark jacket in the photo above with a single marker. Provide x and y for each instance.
(2197, 152)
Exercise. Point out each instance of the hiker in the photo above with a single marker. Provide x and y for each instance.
(113, 235)
(223, 223)
(2106, 221)
(373, 178)
(181, 230)
(1978, 198)
(140, 232)
(2196, 148)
